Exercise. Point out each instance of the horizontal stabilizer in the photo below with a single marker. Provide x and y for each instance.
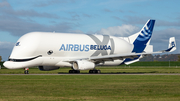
(130, 62)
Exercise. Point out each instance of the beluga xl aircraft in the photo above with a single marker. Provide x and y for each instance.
(50, 51)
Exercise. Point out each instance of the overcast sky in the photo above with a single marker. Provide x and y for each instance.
(110, 17)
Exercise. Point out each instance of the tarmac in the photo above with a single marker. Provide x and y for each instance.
(102, 74)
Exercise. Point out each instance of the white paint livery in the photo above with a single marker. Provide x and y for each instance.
(80, 51)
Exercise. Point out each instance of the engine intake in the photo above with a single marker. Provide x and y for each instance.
(83, 65)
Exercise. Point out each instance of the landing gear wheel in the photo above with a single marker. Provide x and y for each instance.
(98, 71)
(90, 71)
(74, 71)
(95, 71)
(26, 72)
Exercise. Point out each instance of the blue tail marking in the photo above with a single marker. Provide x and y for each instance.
(143, 37)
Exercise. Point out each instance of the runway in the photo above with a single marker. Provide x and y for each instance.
(103, 74)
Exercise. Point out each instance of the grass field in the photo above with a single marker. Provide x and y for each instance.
(92, 87)
(89, 87)
(114, 69)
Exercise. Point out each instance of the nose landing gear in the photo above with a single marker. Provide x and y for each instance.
(26, 71)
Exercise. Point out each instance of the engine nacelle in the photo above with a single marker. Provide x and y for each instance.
(83, 65)
(47, 68)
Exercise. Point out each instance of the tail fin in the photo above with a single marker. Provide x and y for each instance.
(142, 38)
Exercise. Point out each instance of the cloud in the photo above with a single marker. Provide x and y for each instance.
(6, 45)
(19, 22)
(160, 38)
(167, 23)
(18, 27)
(4, 4)
(143, 19)
(117, 18)
(135, 19)
(7, 10)
(5, 49)
(52, 2)
(87, 15)
(123, 30)
(76, 31)
(107, 10)
(32, 13)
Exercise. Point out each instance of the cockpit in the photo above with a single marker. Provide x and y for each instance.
(17, 44)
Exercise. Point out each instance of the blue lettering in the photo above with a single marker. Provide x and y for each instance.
(62, 48)
(81, 48)
(109, 47)
(101, 47)
(98, 47)
(87, 48)
(105, 47)
(92, 47)
(76, 47)
(70, 47)
(95, 47)
(66, 47)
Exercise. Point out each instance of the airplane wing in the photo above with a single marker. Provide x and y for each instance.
(172, 47)
(97, 59)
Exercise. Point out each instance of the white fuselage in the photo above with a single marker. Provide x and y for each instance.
(55, 49)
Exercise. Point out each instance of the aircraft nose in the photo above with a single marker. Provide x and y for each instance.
(8, 65)
(12, 65)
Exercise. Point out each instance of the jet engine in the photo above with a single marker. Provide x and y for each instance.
(83, 65)
(47, 68)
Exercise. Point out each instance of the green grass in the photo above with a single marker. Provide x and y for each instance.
(113, 69)
(90, 87)
(156, 63)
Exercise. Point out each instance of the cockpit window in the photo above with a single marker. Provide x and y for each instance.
(18, 44)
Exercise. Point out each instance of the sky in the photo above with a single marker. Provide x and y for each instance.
(120, 18)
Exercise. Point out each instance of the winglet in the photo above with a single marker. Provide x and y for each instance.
(172, 45)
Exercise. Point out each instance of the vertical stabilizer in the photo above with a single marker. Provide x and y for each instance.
(141, 39)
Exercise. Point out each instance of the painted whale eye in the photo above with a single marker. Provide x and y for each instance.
(49, 52)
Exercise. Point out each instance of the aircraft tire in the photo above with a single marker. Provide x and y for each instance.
(94, 71)
(77, 71)
(71, 71)
(26, 72)
(74, 71)
(90, 71)
(98, 71)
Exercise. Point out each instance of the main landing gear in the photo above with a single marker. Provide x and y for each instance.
(95, 71)
(26, 71)
(74, 71)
